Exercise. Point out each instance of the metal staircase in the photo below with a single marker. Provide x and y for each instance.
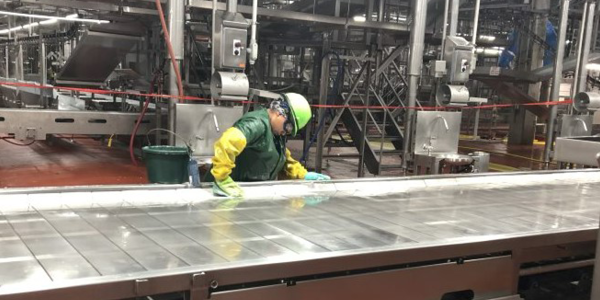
(382, 122)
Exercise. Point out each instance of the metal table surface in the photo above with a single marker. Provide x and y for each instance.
(56, 239)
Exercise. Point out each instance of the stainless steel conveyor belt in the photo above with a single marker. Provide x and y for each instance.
(61, 240)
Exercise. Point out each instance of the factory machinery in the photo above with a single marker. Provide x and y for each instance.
(384, 75)
(390, 80)
(507, 236)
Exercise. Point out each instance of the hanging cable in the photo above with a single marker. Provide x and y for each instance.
(333, 95)
(170, 48)
(8, 140)
(155, 77)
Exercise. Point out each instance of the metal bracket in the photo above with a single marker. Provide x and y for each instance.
(200, 286)
(141, 286)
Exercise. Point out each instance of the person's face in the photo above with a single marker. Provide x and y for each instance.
(277, 124)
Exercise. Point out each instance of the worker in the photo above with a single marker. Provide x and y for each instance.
(254, 149)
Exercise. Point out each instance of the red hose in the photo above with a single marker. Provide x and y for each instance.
(157, 73)
(170, 48)
(135, 130)
(175, 69)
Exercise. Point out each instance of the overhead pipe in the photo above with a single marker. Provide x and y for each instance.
(253, 43)
(231, 6)
(446, 4)
(417, 44)
(585, 53)
(556, 80)
(173, 37)
(580, 42)
(476, 21)
(454, 9)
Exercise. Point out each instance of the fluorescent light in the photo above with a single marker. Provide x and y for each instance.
(48, 22)
(489, 38)
(31, 25)
(68, 18)
(73, 16)
(593, 67)
(359, 18)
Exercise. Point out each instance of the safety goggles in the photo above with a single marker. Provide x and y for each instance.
(285, 111)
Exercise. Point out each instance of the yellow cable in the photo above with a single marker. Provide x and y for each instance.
(110, 140)
(507, 154)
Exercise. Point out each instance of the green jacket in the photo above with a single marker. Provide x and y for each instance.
(264, 156)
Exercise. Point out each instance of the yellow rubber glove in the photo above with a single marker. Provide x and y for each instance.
(228, 188)
(293, 169)
(227, 148)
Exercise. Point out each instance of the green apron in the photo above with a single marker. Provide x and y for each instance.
(264, 155)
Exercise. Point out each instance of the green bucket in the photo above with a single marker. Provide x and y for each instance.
(166, 164)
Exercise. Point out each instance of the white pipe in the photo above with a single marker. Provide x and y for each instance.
(253, 43)
(556, 80)
(585, 53)
(446, 4)
(214, 16)
(575, 85)
(476, 21)
(454, 10)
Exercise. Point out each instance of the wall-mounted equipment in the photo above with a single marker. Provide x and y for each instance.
(229, 86)
(586, 101)
(230, 40)
(458, 54)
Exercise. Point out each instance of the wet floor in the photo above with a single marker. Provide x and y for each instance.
(90, 162)
(66, 163)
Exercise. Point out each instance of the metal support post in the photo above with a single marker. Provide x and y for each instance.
(476, 21)
(7, 62)
(21, 74)
(596, 276)
(417, 44)
(43, 66)
(585, 53)
(476, 124)
(444, 27)
(231, 6)
(364, 127)
(8, 49)
(454, 9)
(580, 42)
(556, 80)
(176, 27)
(595, 29)
(323, 91)
(43, 70)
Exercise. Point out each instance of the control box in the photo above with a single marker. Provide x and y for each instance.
(230, 41)
(458, 54)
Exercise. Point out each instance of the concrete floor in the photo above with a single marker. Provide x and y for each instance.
(89, 162)
(65, 163)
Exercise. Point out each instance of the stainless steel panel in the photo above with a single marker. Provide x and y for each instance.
(23, 273)
(298, 244)
(107, 51)
(196, 124)
(36, 124)
(431, 131)
(68, 267)
(49, 246)
(233, 251)
(113, 263)
(75, 240)
(577, 150)
(12, 250)
(196, 255)
(156, 259)
(575, 125)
